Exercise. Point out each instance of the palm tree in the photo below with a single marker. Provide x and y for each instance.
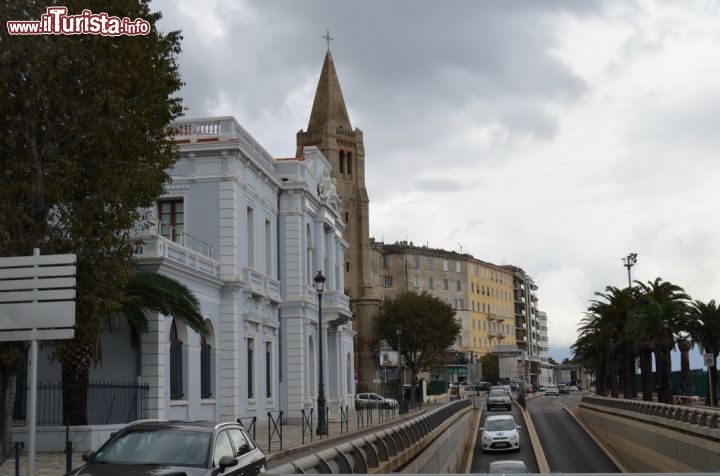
(611, 314)
(660, 315)
(685, 344)
(149, 292)
(705, 330)
(591, 349)
(145, 293)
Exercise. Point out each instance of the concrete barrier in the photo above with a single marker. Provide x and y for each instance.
(433, 440)
(654, 437)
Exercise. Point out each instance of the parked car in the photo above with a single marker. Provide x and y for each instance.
(552, 389)
(562, 388)
(154, 447)
(573, 388)
(541, 388)
(373, 400)
(507, 467)
(499, 398)
(500, 433)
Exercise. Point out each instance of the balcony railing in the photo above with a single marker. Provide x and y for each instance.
(261, 284)
(155, 246)
(177, 236)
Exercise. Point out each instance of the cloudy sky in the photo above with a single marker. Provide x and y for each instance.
(557, 136)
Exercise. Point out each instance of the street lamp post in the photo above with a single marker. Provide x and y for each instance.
(322, 424)
(630, 260)
(400, 374)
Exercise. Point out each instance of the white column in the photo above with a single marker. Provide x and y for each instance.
(154, 348)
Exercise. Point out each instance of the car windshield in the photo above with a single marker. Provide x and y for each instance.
(498, 393)
(504, 424)
(159, 446)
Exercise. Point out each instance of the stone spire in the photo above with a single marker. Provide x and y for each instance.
(329, 105)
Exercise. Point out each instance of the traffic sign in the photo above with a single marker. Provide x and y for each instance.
(709, 360)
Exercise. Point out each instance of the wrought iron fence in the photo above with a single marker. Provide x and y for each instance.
(107, 403)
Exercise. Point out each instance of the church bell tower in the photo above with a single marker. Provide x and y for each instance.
(329, 129)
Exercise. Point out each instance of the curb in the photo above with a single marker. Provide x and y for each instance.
(540, 458)
(600, 444)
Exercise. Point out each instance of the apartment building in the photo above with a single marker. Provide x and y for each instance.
(527, 324)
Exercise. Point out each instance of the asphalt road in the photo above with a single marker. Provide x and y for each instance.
(526, 454)
(567, 447)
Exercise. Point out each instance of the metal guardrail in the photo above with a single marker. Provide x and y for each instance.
(696, 419)
(370, 451)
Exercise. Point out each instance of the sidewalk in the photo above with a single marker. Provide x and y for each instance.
(266, 437)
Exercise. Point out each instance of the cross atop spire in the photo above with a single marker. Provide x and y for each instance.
(328, 38)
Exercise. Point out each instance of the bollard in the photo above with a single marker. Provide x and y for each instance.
(68, 449)
(18, 446)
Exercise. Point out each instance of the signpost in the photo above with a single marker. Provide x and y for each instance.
(709, 359)
(37, 302)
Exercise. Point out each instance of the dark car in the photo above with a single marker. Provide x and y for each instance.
(161, 447)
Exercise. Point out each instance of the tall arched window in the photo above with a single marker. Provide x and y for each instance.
(311, 365)
(342, 162)
(349, 163)
(350, 376)
(309, 264)
(205, 368)
(176, 364)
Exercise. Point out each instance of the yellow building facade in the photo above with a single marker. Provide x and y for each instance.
(491, 309)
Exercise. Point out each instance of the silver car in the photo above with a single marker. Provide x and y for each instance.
(499, 398)
(552, 389)
(373, 400)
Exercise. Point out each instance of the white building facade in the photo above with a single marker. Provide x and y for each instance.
(246, 233)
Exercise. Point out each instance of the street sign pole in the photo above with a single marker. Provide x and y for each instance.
(37, 302)
(709, 363)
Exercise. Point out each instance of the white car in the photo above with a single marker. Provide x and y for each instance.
(552, 389)
(373, 400)
(500, 433)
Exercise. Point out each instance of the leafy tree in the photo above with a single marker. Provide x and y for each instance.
(491, 367)
(704, 329)
(427, 325)
(552, 361)
(84, 147)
